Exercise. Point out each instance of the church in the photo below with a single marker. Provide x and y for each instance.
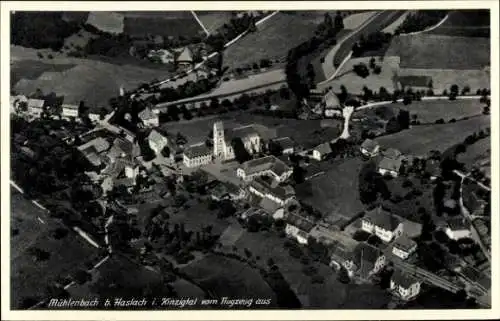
(223, 149)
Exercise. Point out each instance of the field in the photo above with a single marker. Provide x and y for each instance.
(476, 154)
(170, 23)
(272, 40)
(355, 20)
(30, 278)
(226, 277)
(334, 193)
(355, 84)
(443, 78)
(213, 20)
(466, 23)
(431, 110)
(92, 81)
(420, 140)
(425, 51)
(107, 21)
(393, 26)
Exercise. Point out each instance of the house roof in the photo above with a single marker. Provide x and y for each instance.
(126, 146)
(364, 257)
(94, 158)
(147, 114)
(392, 153)
(331, 100)
(285, 142)
(199, 150)
(412, 229)
(382, 218)
(156, 137)
(35, 103)
(391, 164)
(404, 243)
(186, 55)
(269, 206)
(300, 222)
(222, 189)
(342, 249)
(457, 224)
(243, 132)
(403, 279)
(324, 148)
(126, 181)
(432, 167)
(100, 144)
(281, 192)
(271, 163)
(369, 145)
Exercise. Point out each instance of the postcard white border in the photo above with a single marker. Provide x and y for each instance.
(8, 314)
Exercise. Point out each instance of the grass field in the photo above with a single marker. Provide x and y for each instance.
(477, 153)
(107, 21)
(29, 278)
(165, 23)
(77, 79)
(466, 23)
(334, 193)
(213, 20)
(272, 40)
(424, 51)
(430, 111)
(227, 277)
(420, 140)
(355, 84)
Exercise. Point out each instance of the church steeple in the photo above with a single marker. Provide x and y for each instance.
(219, 140)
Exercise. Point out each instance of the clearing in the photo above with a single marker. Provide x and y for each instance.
(424, 51)
(272, 40)
(466, 23)
(166, 23)
(30, 278)
(335, 193)
(213, 20)
(420, 140)
(225, 277)
(477, 154)
(77, 79)
(428, 111)
(107, 21)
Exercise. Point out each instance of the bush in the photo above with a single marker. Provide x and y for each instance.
(440, 121)
(361, 70)
(377, 70)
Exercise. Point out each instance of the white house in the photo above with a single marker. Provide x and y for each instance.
(279, 194)
(157, 141)
(268, 165)
(298, 227)
(382, 223)
(149, 118)
(457, 229)
(390, 166)
(286, 144)
(69, 111)
(370, 148)
(321, 151)
(35, 106)
(404, 286)
(197, 155)
(403, 247)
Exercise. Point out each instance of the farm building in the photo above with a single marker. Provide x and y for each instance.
(457, 229)
(382, 223)
(298, 227)
(268, 165)
(266, 189)
(322, 151)
(370, 148)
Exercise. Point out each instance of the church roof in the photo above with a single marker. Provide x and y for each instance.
(186, 55)
(331, 100)
(147, 114)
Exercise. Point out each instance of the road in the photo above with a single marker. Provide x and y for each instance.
(342, 50)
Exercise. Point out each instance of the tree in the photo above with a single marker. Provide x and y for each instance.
(339, 21)
(404, 119)
(226, 209)
(81, 276)
(240, 152)
(343, 276)
(361, 70)
(165, 151)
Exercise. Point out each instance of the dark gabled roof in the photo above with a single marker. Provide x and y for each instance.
(197, 151)
(402, 279)
(369, 145)
(300, 222)
(392, 153)
(366, 254)
(382, 218)
(324, 148)
(285, 142)
(404, 243)
(456, 224)
(391, 164)
(265, 163)
(280, 191)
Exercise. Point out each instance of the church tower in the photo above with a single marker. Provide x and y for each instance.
(219, 140)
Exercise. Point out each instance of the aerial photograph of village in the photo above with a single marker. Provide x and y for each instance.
(265, 159)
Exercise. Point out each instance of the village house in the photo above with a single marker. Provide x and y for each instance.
(275, 210)
(364, 260)
(123, 148)
(382, 223)
(185, 59)
(390, 166)
(197, 155)
(404, 286)
(286, 143)
(70, 111)
(226, 190)
(252, 211)
(370, 148)
(457, 229)
(93, 149)
(298, 227)
(433, 169)
(35, 107)
(403, 247)
(322, 151)
(157, 141)
(341, 251)
(149, 118)
(331, 104)
(268, 165)
(270, 189)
